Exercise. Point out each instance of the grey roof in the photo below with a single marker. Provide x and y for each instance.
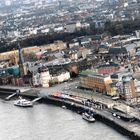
(103, 46)
(120, 50)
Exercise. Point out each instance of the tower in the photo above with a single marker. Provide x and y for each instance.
(60, 5)
(22, 67)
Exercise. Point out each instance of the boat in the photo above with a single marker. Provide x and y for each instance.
(88, 117)
(23, 103)
(64, 107)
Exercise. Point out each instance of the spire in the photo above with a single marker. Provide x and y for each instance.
(21, 59)
(22, 67)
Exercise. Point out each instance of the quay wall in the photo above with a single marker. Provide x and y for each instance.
(79, 108)
(103, 118)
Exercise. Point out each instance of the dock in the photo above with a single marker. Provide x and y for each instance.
(10, 96)
(36, 99)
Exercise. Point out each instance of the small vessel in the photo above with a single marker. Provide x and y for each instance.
(64, 107)
(23, 103)
(88, 117)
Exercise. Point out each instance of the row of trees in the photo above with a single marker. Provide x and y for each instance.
(122, 27)
(112, 28)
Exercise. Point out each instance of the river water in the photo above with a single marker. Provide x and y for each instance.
(47, 122)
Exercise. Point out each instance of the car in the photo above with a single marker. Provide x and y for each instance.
(114, 114)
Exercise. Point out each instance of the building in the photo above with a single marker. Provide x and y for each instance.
(57, 45)
(118, 76)
(103, 49)
(10, 54)
(61, 77)
(42, 78)
(137, 86)
(84, 52)
(84, 40)
(118, 51)
(45, 79)
(137, 32)
(91, 80)
(74, 54)
(129, 90)
(131, 49)
(73, 43)
(107, 68)
(112, 90)
(70, 27)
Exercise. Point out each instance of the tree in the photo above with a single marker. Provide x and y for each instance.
(30, 57)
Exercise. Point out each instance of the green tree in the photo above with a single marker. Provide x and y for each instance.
(30, 57)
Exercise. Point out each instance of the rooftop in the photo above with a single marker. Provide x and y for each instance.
(88, 72)
(119, 50)
(91, 73)
(108, 65)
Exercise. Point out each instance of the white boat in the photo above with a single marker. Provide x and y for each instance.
(23, 103)
(64, 107)
(88, 117)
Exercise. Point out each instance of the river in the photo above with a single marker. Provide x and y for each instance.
(47, 122)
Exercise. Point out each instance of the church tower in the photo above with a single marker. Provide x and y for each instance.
(22, 67)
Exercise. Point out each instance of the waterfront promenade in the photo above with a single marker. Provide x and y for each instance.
(71, 89)
(132, 128)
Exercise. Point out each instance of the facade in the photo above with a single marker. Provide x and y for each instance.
(103, 49)
(14, 53)
(85, 52)
(118, 51)
(73, 44)
(131, 49)
(137, 86)
(75, 55)
(91, 80)
(42, 79)
(64, 76)
(137, 33)
(45, 79)
(70, 27)
(112, 90)
(129, 90)
(58, 45)
(107, 69)
(119, 76)
(8, 55)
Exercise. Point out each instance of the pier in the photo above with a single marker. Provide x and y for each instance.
(36, 99)
(10, 96)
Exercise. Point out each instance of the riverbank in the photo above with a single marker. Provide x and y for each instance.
(50, 122)
(131, 129)
(122, 127)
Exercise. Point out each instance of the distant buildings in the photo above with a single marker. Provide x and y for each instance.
(62, 16)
